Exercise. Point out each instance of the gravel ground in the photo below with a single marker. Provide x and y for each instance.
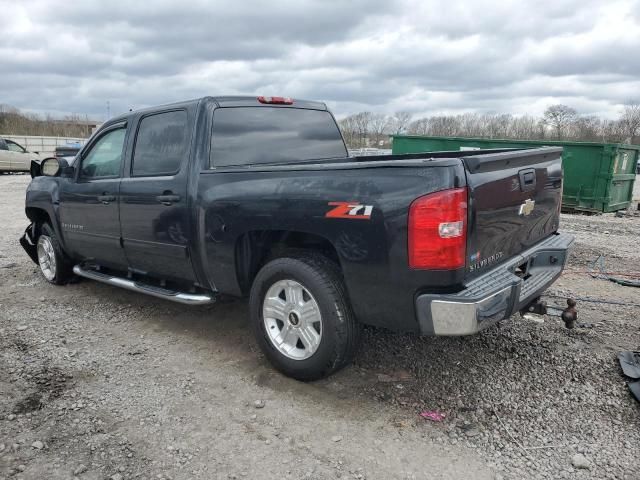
(100, 383)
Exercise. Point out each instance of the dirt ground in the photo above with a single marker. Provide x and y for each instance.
(100, 383)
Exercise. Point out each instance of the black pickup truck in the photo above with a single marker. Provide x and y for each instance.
(257, 197)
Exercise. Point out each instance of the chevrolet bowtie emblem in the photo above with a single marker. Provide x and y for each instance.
(527, 207)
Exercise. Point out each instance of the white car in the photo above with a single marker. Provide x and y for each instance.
(14, 157)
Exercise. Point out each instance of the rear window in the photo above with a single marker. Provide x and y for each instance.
(254, 135)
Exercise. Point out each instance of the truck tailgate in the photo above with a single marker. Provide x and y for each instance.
(514, 202)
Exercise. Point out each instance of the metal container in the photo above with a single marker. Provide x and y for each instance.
(598, 177)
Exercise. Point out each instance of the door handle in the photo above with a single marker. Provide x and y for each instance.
(168, 199)
(106, 199)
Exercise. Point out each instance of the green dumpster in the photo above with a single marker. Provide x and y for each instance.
(598, 177)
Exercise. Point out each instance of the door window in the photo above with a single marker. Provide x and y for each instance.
(161, 144)
(105, 157)
(14, 147)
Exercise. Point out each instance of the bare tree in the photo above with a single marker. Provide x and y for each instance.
(443, 125)
(524, 127)
(378, 127)
(630, 122)
(587, 128)
(470, 125)
(348, 129)
(362, 123)
(613, 131)
(419, 127)
(559, 117)
(14, 122)
(400, 121)
(527, 127)
(498, 125)
(355, 129)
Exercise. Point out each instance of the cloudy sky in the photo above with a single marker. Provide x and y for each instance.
(425, 56)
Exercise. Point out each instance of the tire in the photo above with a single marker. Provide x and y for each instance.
(323, 297)
(55, 265)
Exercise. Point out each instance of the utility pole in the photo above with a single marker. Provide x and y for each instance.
(108, 109)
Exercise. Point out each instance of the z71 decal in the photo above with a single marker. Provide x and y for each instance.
(350, 210)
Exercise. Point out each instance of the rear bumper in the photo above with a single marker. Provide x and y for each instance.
(497, 294)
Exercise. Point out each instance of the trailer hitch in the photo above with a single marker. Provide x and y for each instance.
(539, 307)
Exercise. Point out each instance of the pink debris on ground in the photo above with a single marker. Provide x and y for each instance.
(432, 415)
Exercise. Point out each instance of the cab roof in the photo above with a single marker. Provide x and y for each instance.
(224, 101)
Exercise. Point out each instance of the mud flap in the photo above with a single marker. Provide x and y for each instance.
(28, 243)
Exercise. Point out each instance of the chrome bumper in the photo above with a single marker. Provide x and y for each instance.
(495, 295)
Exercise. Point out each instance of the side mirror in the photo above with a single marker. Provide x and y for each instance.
(67, 171)
(53, 167)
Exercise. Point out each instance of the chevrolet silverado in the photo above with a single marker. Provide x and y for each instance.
(257, 197)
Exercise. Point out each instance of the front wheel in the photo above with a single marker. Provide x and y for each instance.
(54, 264)
(302, 318)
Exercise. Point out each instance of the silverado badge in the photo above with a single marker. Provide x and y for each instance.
(527, 207)
(477, 262)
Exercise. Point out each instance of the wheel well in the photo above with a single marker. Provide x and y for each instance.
(255, 248)
(37, 215)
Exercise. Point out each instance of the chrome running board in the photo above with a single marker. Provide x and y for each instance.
(173, 296)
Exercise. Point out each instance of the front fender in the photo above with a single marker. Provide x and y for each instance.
(28, 242)
(42, 197)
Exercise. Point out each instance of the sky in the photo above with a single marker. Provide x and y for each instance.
(427, 57)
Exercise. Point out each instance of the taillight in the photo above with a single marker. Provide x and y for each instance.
(438, 230)
(276, 100)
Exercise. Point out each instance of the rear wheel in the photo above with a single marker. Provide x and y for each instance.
(302, 318)
(54, 264)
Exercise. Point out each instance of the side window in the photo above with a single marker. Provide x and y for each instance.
(105, 157)
(161, 144)
(14, 147)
